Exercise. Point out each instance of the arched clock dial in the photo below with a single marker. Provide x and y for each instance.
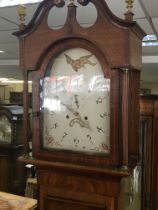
(5, 129)
(75, 104)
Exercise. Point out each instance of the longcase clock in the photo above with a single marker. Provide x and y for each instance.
(11, 147)
(85, 105)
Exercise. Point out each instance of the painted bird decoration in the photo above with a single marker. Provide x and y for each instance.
(79, 63)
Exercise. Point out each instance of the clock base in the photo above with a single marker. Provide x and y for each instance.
(67, 186)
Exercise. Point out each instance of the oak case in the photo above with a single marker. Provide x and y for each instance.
(71, 179)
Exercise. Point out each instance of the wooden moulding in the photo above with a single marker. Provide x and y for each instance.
(71, 168)
(109, 31)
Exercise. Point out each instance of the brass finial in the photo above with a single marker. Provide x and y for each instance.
(72, 1)
(22, 13)
(57, 2)
(129, 14)
(129, 5)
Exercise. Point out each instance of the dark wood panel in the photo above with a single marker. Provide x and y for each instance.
(5, 173)
(17, 98)
(12, 172)
(154, 179)
(146, 160)
(149, 123)
(60, 204)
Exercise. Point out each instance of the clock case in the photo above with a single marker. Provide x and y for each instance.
(117, 45)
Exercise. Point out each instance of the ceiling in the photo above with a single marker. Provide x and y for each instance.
(145, 13)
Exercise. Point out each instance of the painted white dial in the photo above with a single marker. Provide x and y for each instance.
(75, 104)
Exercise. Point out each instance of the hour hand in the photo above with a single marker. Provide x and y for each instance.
(70, 109)
(76, 101)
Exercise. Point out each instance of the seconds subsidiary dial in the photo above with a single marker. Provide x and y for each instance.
(75, 104)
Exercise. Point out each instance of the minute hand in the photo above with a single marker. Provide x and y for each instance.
(78, 119)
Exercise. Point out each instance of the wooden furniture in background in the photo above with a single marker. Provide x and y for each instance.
(149, 154)
(11, 147)
(69, 178)
(5, 93)
(148, 165)
(14, 202)
(17, 98)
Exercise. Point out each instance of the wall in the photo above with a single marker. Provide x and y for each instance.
(10, 71)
